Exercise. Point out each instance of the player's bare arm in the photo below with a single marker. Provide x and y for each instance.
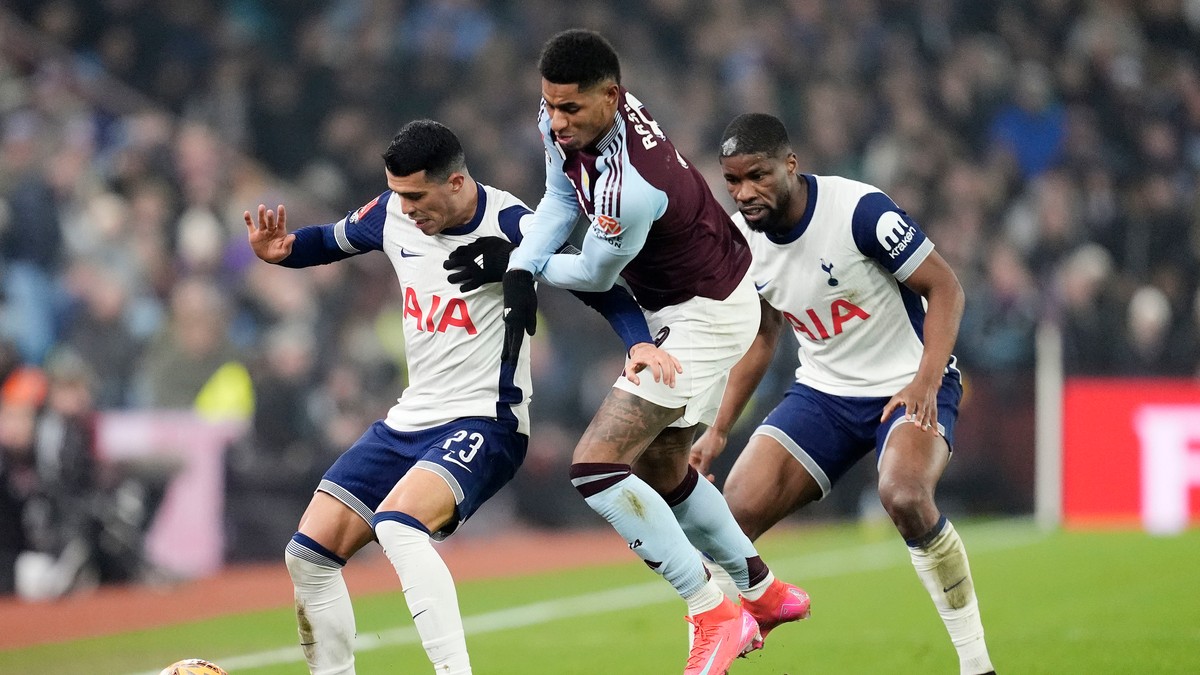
(622, 428)
(648, 356)
(743, 380)
(935, 281)
(269, 237)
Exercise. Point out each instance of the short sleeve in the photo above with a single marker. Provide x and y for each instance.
(886, 234)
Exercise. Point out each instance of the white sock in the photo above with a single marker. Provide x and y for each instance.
(428, 589)
(722, 579)
(941, 563)
(324, 616)
(756, 591)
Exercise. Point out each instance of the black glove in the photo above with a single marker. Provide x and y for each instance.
(520, 312)
(472, 275)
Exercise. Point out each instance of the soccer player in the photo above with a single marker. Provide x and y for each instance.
(459, 431)
(876, 311)
(654, 222)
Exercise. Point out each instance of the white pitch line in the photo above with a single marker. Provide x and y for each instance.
(993, 536)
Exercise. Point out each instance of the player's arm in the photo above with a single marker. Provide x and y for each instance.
(552, 220)
(743, 380)
(935, 281)
(606, 253)
(885, 233)
(315, 244)
(622, 312)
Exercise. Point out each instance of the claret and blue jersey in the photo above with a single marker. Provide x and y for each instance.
(652, 217)
(837, 277)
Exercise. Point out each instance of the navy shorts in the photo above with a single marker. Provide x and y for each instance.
(476, 456)
(828, 434)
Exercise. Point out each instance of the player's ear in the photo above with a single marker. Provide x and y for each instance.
(793, 164)
(612, 91)
(457, 180)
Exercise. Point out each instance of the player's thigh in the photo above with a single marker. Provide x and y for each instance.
(708, 337)
(664, 464)
(766, 484)
(337, 527)
(912, 458)
(424, 495)
(463, 463)
(623, 428)
(913, 461)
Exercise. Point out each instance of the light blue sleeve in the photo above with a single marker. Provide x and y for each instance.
(549, 225)
(552, 222)
(612, 239)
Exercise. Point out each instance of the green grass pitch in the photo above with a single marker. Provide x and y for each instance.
(1062, 602)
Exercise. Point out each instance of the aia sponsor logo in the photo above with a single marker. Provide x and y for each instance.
(435, 316)
(364, 210)
(607, 226)
(818, 327)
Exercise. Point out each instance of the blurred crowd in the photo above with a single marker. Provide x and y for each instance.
(1050, 148)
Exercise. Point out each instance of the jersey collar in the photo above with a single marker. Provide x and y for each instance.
(608, 139)
(800, 227)
(480, 207)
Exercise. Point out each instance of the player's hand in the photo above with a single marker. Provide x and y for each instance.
(919, 399)
(706, 449)
(269, 238)
(480, 262)
(660, 363)
(520, 312)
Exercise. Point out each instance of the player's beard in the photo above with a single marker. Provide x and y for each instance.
(776, 219)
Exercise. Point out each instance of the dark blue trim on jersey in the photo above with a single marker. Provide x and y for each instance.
(314, 245)
(398, 517)
(622, 312)
(366, 233)
(508, 394)
(864, 225)
(480, 207)
(915, 310)
(800, 227)
(510, 222)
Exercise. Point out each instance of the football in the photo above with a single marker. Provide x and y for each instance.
(193, 667)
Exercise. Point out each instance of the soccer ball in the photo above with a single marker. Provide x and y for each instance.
(193, 667)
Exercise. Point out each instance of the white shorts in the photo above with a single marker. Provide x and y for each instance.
(708, 337)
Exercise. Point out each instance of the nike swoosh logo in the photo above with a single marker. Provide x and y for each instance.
(759, 287)
(405, 253)
(947, 589)
(420, 613)
(708, 666)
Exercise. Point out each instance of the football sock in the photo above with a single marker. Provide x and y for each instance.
(941, 563)
(323, 613)
(428, 590)
(641, 516)
(722, 579)
(704, 515)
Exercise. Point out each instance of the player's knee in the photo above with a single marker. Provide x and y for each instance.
(591, 478)
(903, 501)
(308, 563)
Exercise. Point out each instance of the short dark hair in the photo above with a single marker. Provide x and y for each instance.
(425, 145)
(580, 57)
(755, 133)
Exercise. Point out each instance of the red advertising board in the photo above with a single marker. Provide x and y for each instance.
(1131, 453)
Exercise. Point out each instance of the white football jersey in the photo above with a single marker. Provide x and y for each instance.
(452, 339)
(836, 277)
